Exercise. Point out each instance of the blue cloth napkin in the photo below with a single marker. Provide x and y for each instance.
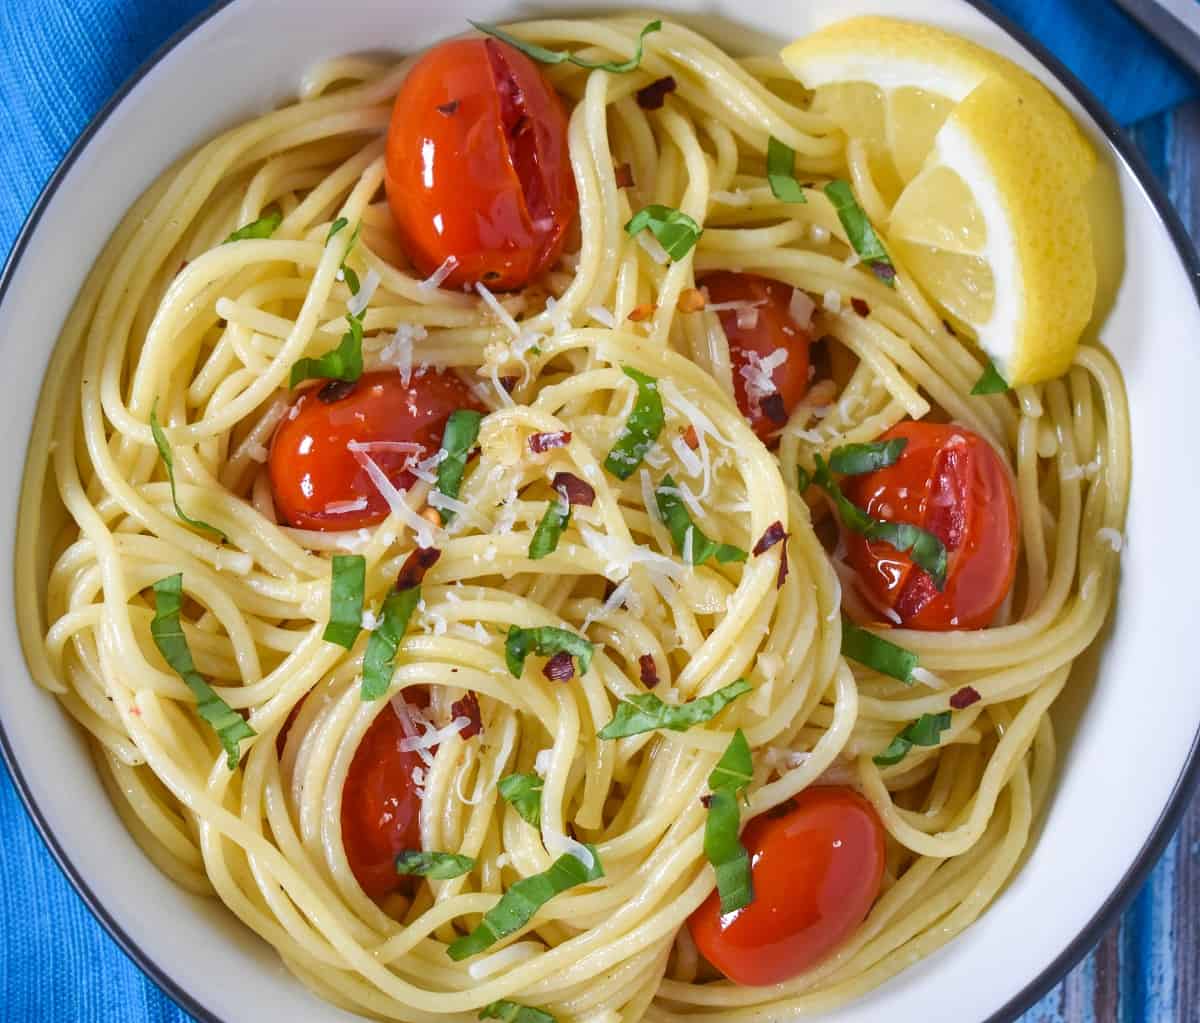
(60, 60)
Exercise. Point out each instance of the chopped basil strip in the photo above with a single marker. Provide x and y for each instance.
(925, 549)
(862, 235)
(877, 653)
(991, 382)
(925, 731)
(437, 865)
(856, 459)
(722, 846)
(164, 452)
(379, 661)
(803, 478)
(458, 440)
(645, 712)
(263, 227)
(545, 641)
(345, 362)
(524, 792)
(550, 529)
(351, 279)
(781, 172)
(511, 1012)
(518, 905)
(544, 56)
(349, 579)
(675, 514)
(642, 428)
(230, 726)
(675, 230)
(335, 227)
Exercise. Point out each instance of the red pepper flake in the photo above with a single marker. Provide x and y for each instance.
(966, 696)
(624, 174)
(648, 670)
(415, 566)
(448, 108)
(572, 489)
(860, 306)
(772, 407)
(508, 383)
(541, 442)
(560, 667)
(335, 391)
(706, 800)
(774, 533)
(468, 707)
(641, 312)
(781, 578)
(654, 95)
(691, 300)
(690, 437)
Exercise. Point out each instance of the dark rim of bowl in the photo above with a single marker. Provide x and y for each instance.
(1186, 784)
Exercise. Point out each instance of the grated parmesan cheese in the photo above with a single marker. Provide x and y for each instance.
(395, 499)
(501, 314)
(369, 621)
(687, 457)
(398, 352)
(435, 279)
(341, 507)
(366, 291)
(558, 844)
(832, 301)
(801, 308)
(433, 736)
(541, 763)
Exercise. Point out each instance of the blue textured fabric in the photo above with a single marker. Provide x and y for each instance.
(60, 60)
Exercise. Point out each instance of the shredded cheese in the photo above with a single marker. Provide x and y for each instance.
(435, 279)
(366, 291)
(395, 499)
(398, 352)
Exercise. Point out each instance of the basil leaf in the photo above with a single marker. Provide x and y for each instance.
(263, 227)
(544, 56)
(440, 866)
(925, 731)
(645, 712)
(458, 440)
(675, 230)
(379, 661)
(641, 429)
(860, 232)
(511, 1012)
(524, 793)
(518, 905)
(545, 641)
(164, 452)
(345, 362)
(877, 653)
(735, 769)
(925, 549)
(351, 279)
(230, 726)
(550, 529)
(781, 172)
(803, 478)
(335, 227)
(856, 459)
(991, 382)
(347, 586)
(679, 523)
(722, 846)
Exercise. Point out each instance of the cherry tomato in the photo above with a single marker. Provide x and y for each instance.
(951, 482)
(772, 329)
(316, 479)
(477, 165)
(817, 863)
(381, 809)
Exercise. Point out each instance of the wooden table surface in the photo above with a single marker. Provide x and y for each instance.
(1147, 969)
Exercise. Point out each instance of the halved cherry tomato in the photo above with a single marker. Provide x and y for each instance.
(817, 864)
(951, 482)
(316, 479)
(381, 810)
(477, 165)
(769, 328)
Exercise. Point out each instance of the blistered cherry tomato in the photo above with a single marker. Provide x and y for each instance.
(768, 327)
(477, 165)
(381, 809)
(817, 864)
(317, 481)
(951, 482)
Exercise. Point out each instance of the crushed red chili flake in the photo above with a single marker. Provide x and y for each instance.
(773, 534)
(648, 670)
(781, 578)
(560, 667)
(860, 306)
(335, 390)
(690, 437)
(691, 300)
(415, 566)
(448, 108)
(654, 95)
(541, 442)
(772, 408)
(572, 489)
(966, 696)
(641, 312)
(508, 383)
(624, 174)
(468, 707)
(706, 800)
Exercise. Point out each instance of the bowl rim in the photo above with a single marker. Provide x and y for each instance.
(1186, 785)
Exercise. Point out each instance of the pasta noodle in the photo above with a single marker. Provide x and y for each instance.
(205, 334)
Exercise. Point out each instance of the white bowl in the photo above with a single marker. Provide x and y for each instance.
(1130, 757)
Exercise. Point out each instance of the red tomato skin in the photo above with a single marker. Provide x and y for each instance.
(950, 481)
(817, 866)
(311, 467)
(773, 329)
(478, 167)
